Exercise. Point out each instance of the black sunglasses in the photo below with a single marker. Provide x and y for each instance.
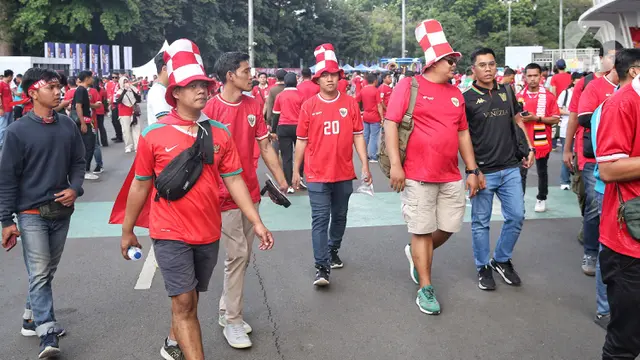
(451, 60)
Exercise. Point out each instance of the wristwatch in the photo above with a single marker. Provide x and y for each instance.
(532, 150)
(539, 119)
(475, 172)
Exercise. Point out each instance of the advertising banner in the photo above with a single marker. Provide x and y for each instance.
(81, 50)
(73, 55)
(116, 57)
(60, 50)
(94, 58)
(49, 50)
(128, 57)
(105, 60)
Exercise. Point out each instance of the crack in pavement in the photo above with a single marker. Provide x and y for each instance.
(274, 325)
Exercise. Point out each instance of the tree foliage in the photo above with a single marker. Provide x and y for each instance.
(285, 31)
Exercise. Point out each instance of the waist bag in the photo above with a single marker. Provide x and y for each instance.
(181, 174)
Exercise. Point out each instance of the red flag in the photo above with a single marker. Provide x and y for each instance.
(117, 213)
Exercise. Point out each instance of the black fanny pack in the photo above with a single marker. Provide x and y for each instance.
(587, 148)
(55, 211)
(181, 174)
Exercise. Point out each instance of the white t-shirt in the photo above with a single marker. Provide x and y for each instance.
(564, 119)
(157, 106)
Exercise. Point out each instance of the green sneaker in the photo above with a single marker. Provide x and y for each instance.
(427, 302)
(412, 269)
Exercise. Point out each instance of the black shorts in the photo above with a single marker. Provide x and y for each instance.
(185, 267)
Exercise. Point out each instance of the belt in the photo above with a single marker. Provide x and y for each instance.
(31, 212)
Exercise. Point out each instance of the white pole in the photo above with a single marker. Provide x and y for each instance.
(560, 29)
(404, 28)
(509, 30)
(251, 54)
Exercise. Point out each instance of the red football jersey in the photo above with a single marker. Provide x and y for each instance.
(439, 114)
(539, 133)
(329, 127)
(261, 94)
(618, 137)
(5, 96)
(195, 218)
(561, 82)
(246, 124)
(309, 89)
(288, 104)
(370, 98)
(579, 141)
(385, 93)
(343, 85)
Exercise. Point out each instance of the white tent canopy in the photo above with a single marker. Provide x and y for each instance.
(149, 69)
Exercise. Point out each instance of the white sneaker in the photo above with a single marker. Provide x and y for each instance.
(541, 206)
(290, 190)
(128, 150)
(565, 187)
(222, 321)
(90, 176)
(236, 336)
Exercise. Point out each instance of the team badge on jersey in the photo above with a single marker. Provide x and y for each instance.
(503, 97)
(455, 101)
(252, 120)
(216, 148)
(343, 112)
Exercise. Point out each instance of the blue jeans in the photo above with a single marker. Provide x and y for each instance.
(602, 302)
(591, 219)
(5, 120)
(97, 152)
(42, 245)
(565, 175)
(507, 184)
(329, 201)
(371, 135)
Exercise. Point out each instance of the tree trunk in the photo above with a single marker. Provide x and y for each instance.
(6, 38)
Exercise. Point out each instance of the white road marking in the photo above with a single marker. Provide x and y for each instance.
(148, 271)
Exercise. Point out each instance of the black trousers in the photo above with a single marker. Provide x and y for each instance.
(621, 274)
(115, 120)
(287, 139)
(89, 140)
(543, 177)
(103, 131)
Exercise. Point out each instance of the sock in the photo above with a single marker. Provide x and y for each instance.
(170, 342)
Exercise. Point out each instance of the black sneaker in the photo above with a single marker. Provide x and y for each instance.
(506, 270)
(485, 279)
(170, 352)
(98, 170)
(322, 276)
(28, 328)
(49, 345)
(602, 320)
(303, 186)
(336, 263)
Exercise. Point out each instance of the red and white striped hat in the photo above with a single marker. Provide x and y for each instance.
(431, 37)
(184, 65)
(326, 61)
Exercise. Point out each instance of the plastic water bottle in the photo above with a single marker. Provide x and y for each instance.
(134, 253)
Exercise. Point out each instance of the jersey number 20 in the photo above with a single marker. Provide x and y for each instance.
(332, 127)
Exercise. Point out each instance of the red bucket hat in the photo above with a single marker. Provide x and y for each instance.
(326, 61)
(184, 65)
(430, 35)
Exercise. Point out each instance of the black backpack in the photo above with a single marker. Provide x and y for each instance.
(177, 178)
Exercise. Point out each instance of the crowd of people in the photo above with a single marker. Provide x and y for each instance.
(305, 128)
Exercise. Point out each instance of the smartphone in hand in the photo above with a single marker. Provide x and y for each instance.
(13, 241)
(524, 113)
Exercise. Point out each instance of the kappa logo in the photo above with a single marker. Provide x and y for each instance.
(216, 148)
(480, 101)
(170, 149)
(428, 98)
(455, 101)
(252, 120)
(503, 97)
(343, 112)
(317, 113)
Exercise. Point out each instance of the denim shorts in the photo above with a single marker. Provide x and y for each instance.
(184, 266)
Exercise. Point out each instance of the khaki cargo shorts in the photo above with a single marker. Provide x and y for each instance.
(427, 207)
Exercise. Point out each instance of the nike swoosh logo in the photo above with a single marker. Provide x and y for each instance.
(170, 149)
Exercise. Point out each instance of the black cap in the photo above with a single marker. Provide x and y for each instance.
(280, 74)
(290, 80)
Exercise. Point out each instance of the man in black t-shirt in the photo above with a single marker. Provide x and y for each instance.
(82, 106)
(492, 111)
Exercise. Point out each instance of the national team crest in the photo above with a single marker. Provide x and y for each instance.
(343, 112)
(455, 101)
(252, 120)
(503, 97)
(216, 148)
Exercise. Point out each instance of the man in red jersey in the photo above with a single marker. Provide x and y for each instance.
(185, 241)
(329, 126)
(357, 82)
(540, 112)
(560, 81)
(307, 87)
(617, 153)
(386, 90)
(286, 112)
(606, 64)
(371, 103)
(261, 91)
(343, 86)
(433, 196)
(242, 116)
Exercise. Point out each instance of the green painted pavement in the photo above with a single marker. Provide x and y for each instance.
(91, 218)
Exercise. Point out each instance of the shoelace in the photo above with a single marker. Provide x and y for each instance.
(429, 293)
(238, 330)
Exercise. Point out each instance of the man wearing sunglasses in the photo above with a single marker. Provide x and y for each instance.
(433, 196)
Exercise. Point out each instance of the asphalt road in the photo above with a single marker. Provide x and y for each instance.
(368, 312)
